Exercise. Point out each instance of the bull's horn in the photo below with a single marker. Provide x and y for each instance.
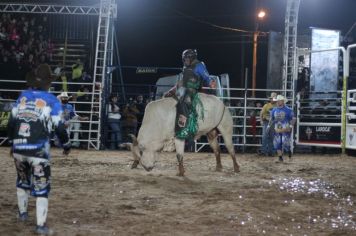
(134, 140)
(129, 146)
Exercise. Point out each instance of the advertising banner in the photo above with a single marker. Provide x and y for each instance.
(320, 134)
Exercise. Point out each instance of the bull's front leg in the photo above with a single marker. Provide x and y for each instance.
(179, 143)
(180, 165)
(135, 164)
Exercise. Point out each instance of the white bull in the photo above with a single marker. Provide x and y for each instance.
(158, 128)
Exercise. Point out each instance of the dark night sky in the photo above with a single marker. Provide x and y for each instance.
(154, 32)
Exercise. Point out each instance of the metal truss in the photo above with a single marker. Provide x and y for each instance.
(290, 48)
(49, 9)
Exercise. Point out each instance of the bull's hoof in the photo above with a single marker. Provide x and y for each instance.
(218, 168)
(134, 165)
(180, 169)
(180, 174)
(236, 169)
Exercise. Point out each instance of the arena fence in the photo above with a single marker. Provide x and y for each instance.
(10, 90)
(321, 103)
(247, 129)
(245, 111)
(324, 118)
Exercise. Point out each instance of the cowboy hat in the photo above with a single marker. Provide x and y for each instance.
(280, 98)
(273, 95)
(63, 95)
(40, 78)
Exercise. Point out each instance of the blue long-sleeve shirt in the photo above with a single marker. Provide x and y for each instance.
(202, 72)
(68, 112)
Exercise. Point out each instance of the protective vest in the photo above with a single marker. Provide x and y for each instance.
(32, 117)
(190, 79)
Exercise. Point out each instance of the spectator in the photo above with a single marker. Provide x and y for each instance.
(267, 137)
(71, 118)
(50, 48)
(252, 121)
(84, 97)
(151, 98)
(57, 71)
(43, 59)
(130, 113)
(77, 72)
(86, 77)
(14, 35)
(141, 105)
(5, 111)
(62, 82)
(114, 122)
(258, 106)
(30, 63)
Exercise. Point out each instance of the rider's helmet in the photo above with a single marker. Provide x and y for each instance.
(188, 56)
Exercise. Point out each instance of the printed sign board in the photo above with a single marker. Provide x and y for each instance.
(319, 134)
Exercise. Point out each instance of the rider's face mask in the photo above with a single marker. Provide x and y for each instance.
(64, 101)
(186, 61)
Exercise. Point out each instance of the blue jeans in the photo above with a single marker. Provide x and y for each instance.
(116, 137)
(267, 139)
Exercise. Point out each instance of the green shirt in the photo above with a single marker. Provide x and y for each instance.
(265, 112)
(77, 71)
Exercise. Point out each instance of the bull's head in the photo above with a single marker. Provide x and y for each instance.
(144, 155)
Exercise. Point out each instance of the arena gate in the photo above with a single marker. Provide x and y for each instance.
(327, 119)
(350, 118)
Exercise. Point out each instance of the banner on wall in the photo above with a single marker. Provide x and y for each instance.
(320, 134)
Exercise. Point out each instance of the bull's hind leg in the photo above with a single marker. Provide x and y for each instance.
(226, 128)
(135, 164)
(214, 144)
(180, 152)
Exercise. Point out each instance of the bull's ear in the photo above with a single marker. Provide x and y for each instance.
(134, 140)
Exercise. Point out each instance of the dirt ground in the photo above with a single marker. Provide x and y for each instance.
(96, 193)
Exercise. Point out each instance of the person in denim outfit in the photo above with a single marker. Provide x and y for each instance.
(114, 122)
(267, 137)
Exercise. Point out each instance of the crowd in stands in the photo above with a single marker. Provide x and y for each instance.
(24, 43)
